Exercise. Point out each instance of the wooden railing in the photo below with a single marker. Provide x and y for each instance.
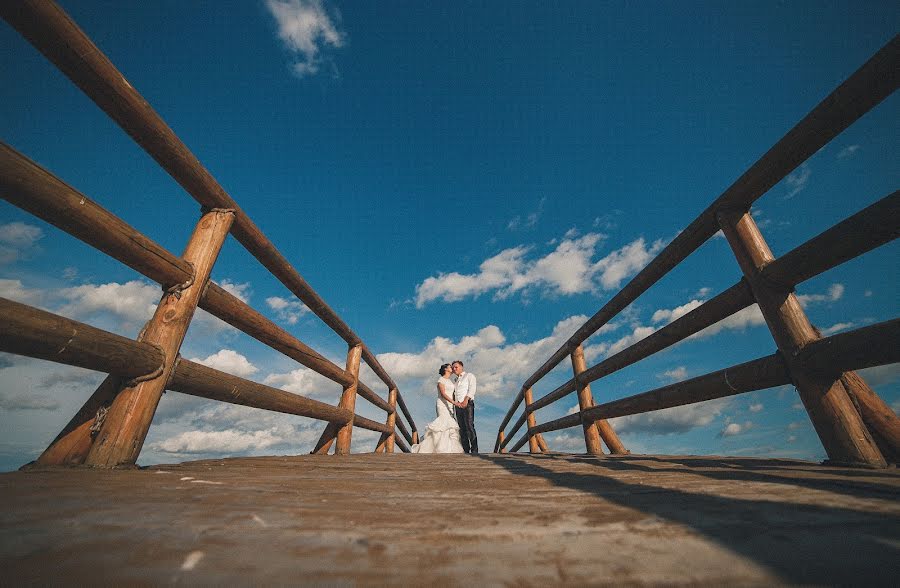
(853, 423)
(110, 428)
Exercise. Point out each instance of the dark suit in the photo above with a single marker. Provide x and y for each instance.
(466, 419)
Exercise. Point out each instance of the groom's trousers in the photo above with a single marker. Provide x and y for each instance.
(466, 419)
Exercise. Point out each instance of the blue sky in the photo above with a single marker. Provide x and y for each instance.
(465, 180)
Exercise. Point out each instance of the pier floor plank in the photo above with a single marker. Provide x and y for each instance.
(453, 520)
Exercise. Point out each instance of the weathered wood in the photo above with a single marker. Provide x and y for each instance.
(46, 26)
(238, 314)
(409, 419)
(759, 374)
(30, 187)
(205, 382)
(515, 428)
(73, 443)
(840, 428)
(403, 431)
(402, 445)
(877, 344)
(391, 420)
(122, 433)
(725, 304)
(326, 440)
(368, 424)
(348, 401)
(868, 86)
(498, 446)
(415, 437)
(25, 184)
(25, 330)
(520, 395)
(881, 420)
(864, 231)
(585, 400)
(541, 443)
(368, 394)
(533, 446)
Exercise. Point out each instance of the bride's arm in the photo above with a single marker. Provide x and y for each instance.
(444, 394)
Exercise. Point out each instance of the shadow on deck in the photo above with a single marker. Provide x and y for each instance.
(511, 519)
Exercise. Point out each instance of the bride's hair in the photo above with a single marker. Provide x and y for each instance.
(443, 369)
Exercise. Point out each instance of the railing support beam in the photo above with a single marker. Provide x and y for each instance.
(839, 426)
(533, 446)
(348, 401)
(122, 433)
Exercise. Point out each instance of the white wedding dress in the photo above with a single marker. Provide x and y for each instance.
(441, 434)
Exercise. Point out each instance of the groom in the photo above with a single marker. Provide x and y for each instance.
(465, 410)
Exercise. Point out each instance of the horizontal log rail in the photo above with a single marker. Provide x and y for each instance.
(403, 431)
(25, 184)
(766, 372)
(205, 382)
(866, 230)
(867, 87)
(403, 446)
(52, 32)
(725, 304)
(32, 332)
(870, 346)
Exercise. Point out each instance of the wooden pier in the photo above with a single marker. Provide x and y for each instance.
(400, 519)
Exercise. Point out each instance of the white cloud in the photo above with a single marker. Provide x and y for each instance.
(837, 327)
(835, 292)
(677, 374)
(15, 290)
(16, 239)
(567, 270)
(20, 235)
(733, 429)
(797, 181)
(224, 442)
(133, 301)
(529, 220)
(741, 320)
(286, 310)
(756, 407)
(881, 375)
(305, 382)
(240, 291)
(679, 419)
(499, 366)
(625, 262)
(847, 151)
(573, 410)
(667, 316)
(28, 402)
(306, 29)
(230, 362)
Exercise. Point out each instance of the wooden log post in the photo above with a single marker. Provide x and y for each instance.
(841, 430)
(122, 433)
(541, 443)
(876, 414)
(391, 421)
(500, 437)
(585, 400)
(533, 446)
(348, 400)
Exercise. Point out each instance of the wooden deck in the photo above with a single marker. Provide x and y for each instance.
(453, 520)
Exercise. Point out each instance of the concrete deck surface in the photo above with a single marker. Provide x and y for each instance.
(453, 520)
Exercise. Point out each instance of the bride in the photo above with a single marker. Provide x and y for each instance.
(442, 434)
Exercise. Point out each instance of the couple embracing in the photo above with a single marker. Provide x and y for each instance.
(453, 431)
